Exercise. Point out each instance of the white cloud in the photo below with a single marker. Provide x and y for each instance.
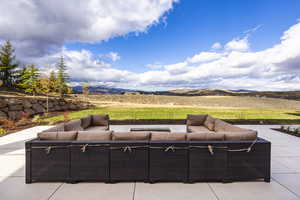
(204, 57)
(238, 45)
(41, 27)
(275, 68)
(216, 45)
(113, 56)
(154, 66)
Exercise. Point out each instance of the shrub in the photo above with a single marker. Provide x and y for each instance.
(2, 131)
(7, 123)
(37, 119)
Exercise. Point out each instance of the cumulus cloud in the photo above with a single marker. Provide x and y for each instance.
(238, 45)
(114, 56)
(275, 68)
(204, 57)
(216, 45)
(41, 27)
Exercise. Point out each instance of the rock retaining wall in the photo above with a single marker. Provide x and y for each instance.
(12, 107)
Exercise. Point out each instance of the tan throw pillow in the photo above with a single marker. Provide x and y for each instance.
(65, 135)
(74, 125)
(246, 135)
(156, 136)
(136, 135)
(224, 126)
(195, 120)
(205, 137)
(86, 121)
(94, 135)
(210, 122)
(100, 120)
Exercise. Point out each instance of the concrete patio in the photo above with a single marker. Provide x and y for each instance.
(284, 184)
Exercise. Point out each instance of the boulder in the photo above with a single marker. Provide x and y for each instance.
(38, 108)
(13, 101)
(15, 107)
(27, 104)
(30, 111)
(3, 103)
(5, 109)
(3, 114)
(14, 115)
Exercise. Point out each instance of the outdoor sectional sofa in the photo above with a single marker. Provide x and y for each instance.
(85, 150)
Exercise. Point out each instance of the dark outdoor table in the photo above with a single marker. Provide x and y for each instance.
(163, 129)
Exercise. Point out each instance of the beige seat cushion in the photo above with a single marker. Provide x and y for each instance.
(136, 135)
(209, 122)
(96, 128)
(74, 125)
(59, 127)
(100, 120)
(168, 136)
(197, 128)
(195, 120)
(94, 135)
(66, 135)
(205, 136)
(245, 135)
(86, 121)
(224, 126)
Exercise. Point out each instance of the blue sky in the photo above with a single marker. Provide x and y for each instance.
(193, 26)
(161, 44)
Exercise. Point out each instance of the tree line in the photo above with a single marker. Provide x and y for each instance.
(14, 76)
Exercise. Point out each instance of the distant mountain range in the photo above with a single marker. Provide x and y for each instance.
(193, 92)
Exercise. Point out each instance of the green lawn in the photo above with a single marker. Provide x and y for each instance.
(231, 114)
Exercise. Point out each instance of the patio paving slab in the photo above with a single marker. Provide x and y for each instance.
(252, 191)
(95, 191)
(290, 181)
(12, 165)
(174, 191)
(284, 185)
(13, 188)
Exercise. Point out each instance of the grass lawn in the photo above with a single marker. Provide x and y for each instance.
(250, 115)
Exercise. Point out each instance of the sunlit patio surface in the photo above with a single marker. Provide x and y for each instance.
(284, 184)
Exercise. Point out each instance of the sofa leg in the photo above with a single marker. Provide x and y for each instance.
(28, 181)
(267, 179)
(152, 181)
(226, 181)
(72, 182)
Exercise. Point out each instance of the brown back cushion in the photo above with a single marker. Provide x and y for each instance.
(224, 126)
(94, 135)
(205, 136)
(168, 136)
(74, 125)
(59, 127)
(65, 135)
(86, 121)
(209, 122)
(246, 135)
(136, 135)
(100, 120)
(195, 120)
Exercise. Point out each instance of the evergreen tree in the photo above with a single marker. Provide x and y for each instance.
(8, 64)
(62, 77)
(19, 75)
(30, 80)
(53, 82)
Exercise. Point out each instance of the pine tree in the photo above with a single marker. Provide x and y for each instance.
(62, 77)
(8, 64)
(53, 82)
(30, 80)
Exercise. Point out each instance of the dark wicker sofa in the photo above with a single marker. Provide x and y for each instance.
(106, 156)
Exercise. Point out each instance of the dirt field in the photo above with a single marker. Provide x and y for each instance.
(195, 101)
